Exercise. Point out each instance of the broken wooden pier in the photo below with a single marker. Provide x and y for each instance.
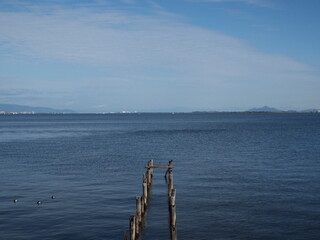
(136, 222)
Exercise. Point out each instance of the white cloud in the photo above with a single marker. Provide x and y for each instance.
(117, 39)
(154, 56)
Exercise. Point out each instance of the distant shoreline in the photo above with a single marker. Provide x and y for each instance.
(130, 113)
(14, 109)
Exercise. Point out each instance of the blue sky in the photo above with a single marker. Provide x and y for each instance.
(168, 55)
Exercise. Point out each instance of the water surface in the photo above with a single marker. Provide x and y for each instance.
(238, 176)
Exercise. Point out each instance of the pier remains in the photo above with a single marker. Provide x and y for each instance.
(136, 222)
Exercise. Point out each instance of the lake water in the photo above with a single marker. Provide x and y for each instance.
(238, 176)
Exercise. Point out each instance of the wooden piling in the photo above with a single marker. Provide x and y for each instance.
(173, 234)
(125, 235)
(149, 172)
(138, 215)
(173, 214)
(139, 210)
(142, 208)
(171, 202)
(169, 166)
(145, 194)
(170, 184)
(132, 227)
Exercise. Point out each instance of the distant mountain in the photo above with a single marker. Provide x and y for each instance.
(264, 109)
(23, 108)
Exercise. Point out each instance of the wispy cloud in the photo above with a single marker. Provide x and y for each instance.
(117, 39)
(152, 57)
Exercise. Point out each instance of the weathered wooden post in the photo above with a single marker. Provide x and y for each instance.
(138, 215)
(172, 202)
(169, 166)
(132, 227)
(150, 171)
(142, 207)
(173, 213)
(173, 216)
(145, 193)
(125, 235)
(170, 184)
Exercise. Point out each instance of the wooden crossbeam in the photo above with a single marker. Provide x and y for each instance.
(159, 167)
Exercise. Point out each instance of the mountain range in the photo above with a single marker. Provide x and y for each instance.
(271, 109)
(264, 109)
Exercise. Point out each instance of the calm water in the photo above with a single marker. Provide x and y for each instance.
(238, 176)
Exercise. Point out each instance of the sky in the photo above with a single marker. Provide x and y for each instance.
(165, 55)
